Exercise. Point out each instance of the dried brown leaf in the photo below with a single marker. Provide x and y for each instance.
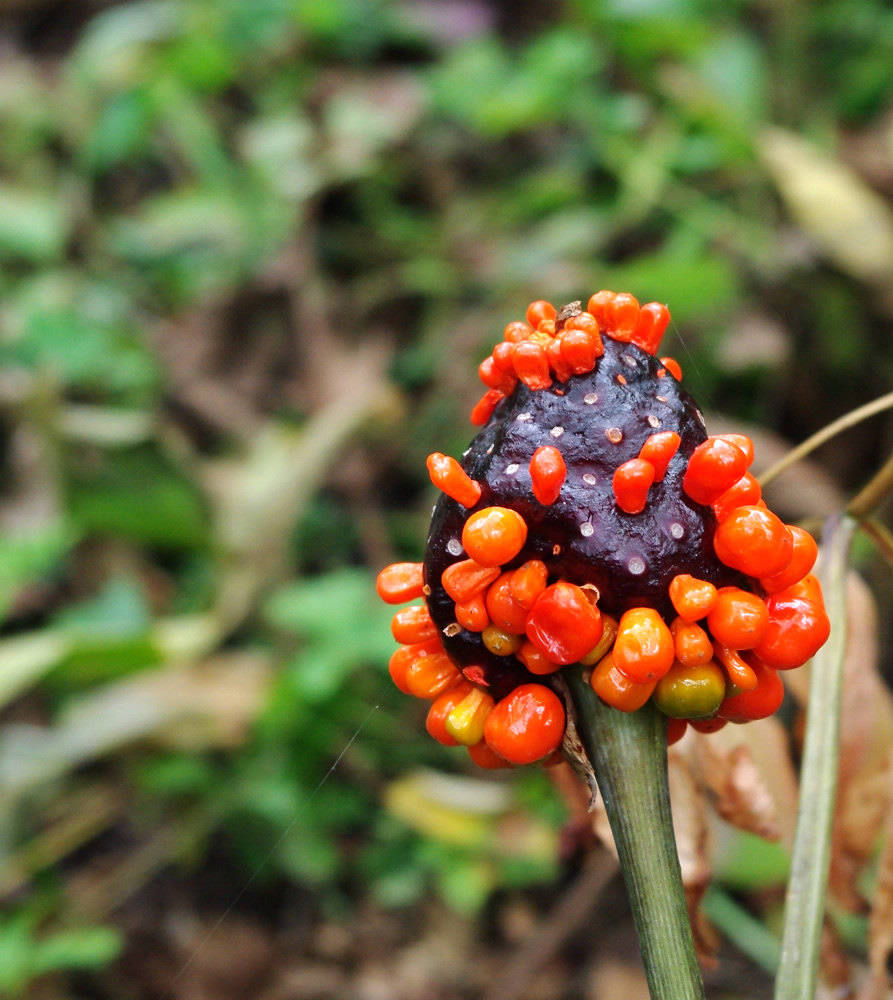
(880, 932)
(693, 842)
(736, 785)
(866, 738)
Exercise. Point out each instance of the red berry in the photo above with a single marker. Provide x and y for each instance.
(753, 541)
(563, 624)
(632, 480)
(760, 702)
(658, 449)
(798, 625)
(738, 618)
(547, 474)
(449, 477)
(484, 407)
(714, 466)
(532, 365)
(400, 582)
(654, 317)
(745, 493)
(526, 725)
(623, 316)
(803, 557)
(539, 311)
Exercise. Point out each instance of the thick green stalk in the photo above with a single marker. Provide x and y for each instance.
(805, 902)
(628, 754)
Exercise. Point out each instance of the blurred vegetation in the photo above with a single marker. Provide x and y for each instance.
(251, 253)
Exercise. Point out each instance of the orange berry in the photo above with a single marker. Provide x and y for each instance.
(631, 482)
(742, 442)
(539, 311)
(526, 725)
(738, 618)
(580, 349)
(803, 557)
(745, 493)
(672, 366)
(463, 580)
(484, 407)
(400, 582)
(413, 624)
(528, 582)
(798, 625)
(644, 649)
(753, 541)
(431, 675)
(714, 466)
(516, 331)
(504, 611)
(585, 321)
(441, 707)
(692, 644)
(495, 535)
(532, 365)
(403, 658)
(563, 624)
(616, 689)
(546, 326)
(658, 449)
(654, 317)
(449, 477)
(598, 306)
(557, 364)
(472, 614)
(547, 474)
(739, 671)
(761, 701)
(536, 660)
(494, 378)
(692, 598)
(623, 316)
(484, 757)
(502, 357)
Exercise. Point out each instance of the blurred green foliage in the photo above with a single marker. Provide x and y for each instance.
(193, 197)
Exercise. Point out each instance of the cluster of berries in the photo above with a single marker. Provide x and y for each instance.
(593, 521)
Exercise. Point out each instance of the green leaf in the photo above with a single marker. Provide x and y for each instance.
(82, 351)
(139, 496)
(25, 558)
(83, 948)
(345, 626)
(119, 609)
(733, 67)
(33, 226)
(121, 131)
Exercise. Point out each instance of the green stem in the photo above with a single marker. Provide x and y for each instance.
(628, 753)
(805, 902)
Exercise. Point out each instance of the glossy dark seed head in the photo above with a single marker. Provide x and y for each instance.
(597, 421)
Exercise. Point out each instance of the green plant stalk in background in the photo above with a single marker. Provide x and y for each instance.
(628, 753)
(805, 901)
